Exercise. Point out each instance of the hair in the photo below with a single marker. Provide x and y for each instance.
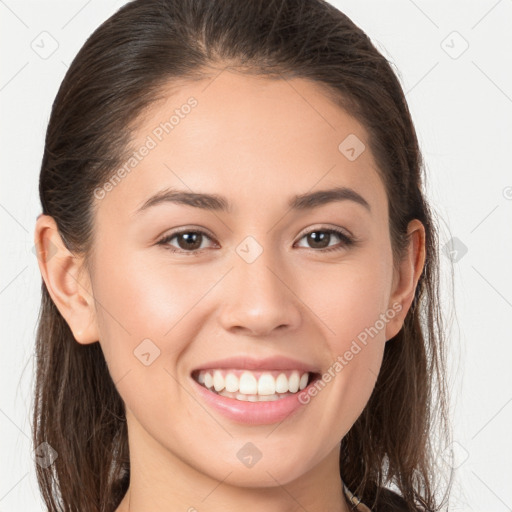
(122, 70)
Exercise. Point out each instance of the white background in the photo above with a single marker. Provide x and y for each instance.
(462, 109)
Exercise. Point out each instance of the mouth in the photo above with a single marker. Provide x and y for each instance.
(254, 385)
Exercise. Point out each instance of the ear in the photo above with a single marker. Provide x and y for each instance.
(67, 280)
(406, 276)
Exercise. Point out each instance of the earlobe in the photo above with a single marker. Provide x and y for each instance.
(406, 277)
(66, 281)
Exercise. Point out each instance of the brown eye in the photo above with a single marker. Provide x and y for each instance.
(320, 239)
(190, 241)
(187, 240)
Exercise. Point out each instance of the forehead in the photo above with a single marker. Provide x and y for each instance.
(250, 138)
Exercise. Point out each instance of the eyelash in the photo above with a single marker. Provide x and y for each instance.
(346, 241)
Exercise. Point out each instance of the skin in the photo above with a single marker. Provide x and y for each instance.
(257, 142)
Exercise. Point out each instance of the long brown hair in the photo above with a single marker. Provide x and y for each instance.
(119, 71)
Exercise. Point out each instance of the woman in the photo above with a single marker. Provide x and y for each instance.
(239, 298)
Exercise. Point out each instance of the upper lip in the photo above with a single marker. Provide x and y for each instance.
(251, 363)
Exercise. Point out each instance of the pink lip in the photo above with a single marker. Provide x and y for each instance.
(252, 413)
(249, 363)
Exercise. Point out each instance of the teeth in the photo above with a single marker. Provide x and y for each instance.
(253, 386)
(266, 385)
(303, 381)
(231, 382)
(282, 383)
(218, 381)
(293, 383)
(248, 384)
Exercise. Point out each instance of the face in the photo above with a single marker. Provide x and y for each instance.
(179, 286)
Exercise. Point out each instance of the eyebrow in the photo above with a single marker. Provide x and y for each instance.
(215, 202)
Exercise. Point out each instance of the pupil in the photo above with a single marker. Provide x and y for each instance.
(190, 240)
(314, 236)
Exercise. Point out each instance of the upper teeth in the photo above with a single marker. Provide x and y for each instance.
(252, 383)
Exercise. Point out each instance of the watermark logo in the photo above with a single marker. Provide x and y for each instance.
(455, 455)
(157, 135)
(43, 254)
(344, 359)
(44, 44)
(507, 193)
(146, 352)
(249, 455)
(455, 249)
(454, 45)
(249, 249)
(45, 455)
(351, 147)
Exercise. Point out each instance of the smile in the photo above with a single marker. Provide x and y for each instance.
(253, 386)
(260, 397)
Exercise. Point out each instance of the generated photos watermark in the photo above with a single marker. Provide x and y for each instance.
(343, 360)
(157, 135)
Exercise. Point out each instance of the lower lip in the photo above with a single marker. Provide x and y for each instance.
(252, 413)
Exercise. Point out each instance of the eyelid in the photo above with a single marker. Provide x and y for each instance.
(326, 227)
(187, 229)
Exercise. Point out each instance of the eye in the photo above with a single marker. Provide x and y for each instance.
(189, 241)
(320, 238)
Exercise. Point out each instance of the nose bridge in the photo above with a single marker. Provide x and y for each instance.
(259, 297)
(257, 268)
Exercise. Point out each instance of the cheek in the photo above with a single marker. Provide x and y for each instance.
(145, 326)
(142, 308)
(350, 301)
(358, 331)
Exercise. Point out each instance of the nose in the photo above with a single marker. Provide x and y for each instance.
(258, 298)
